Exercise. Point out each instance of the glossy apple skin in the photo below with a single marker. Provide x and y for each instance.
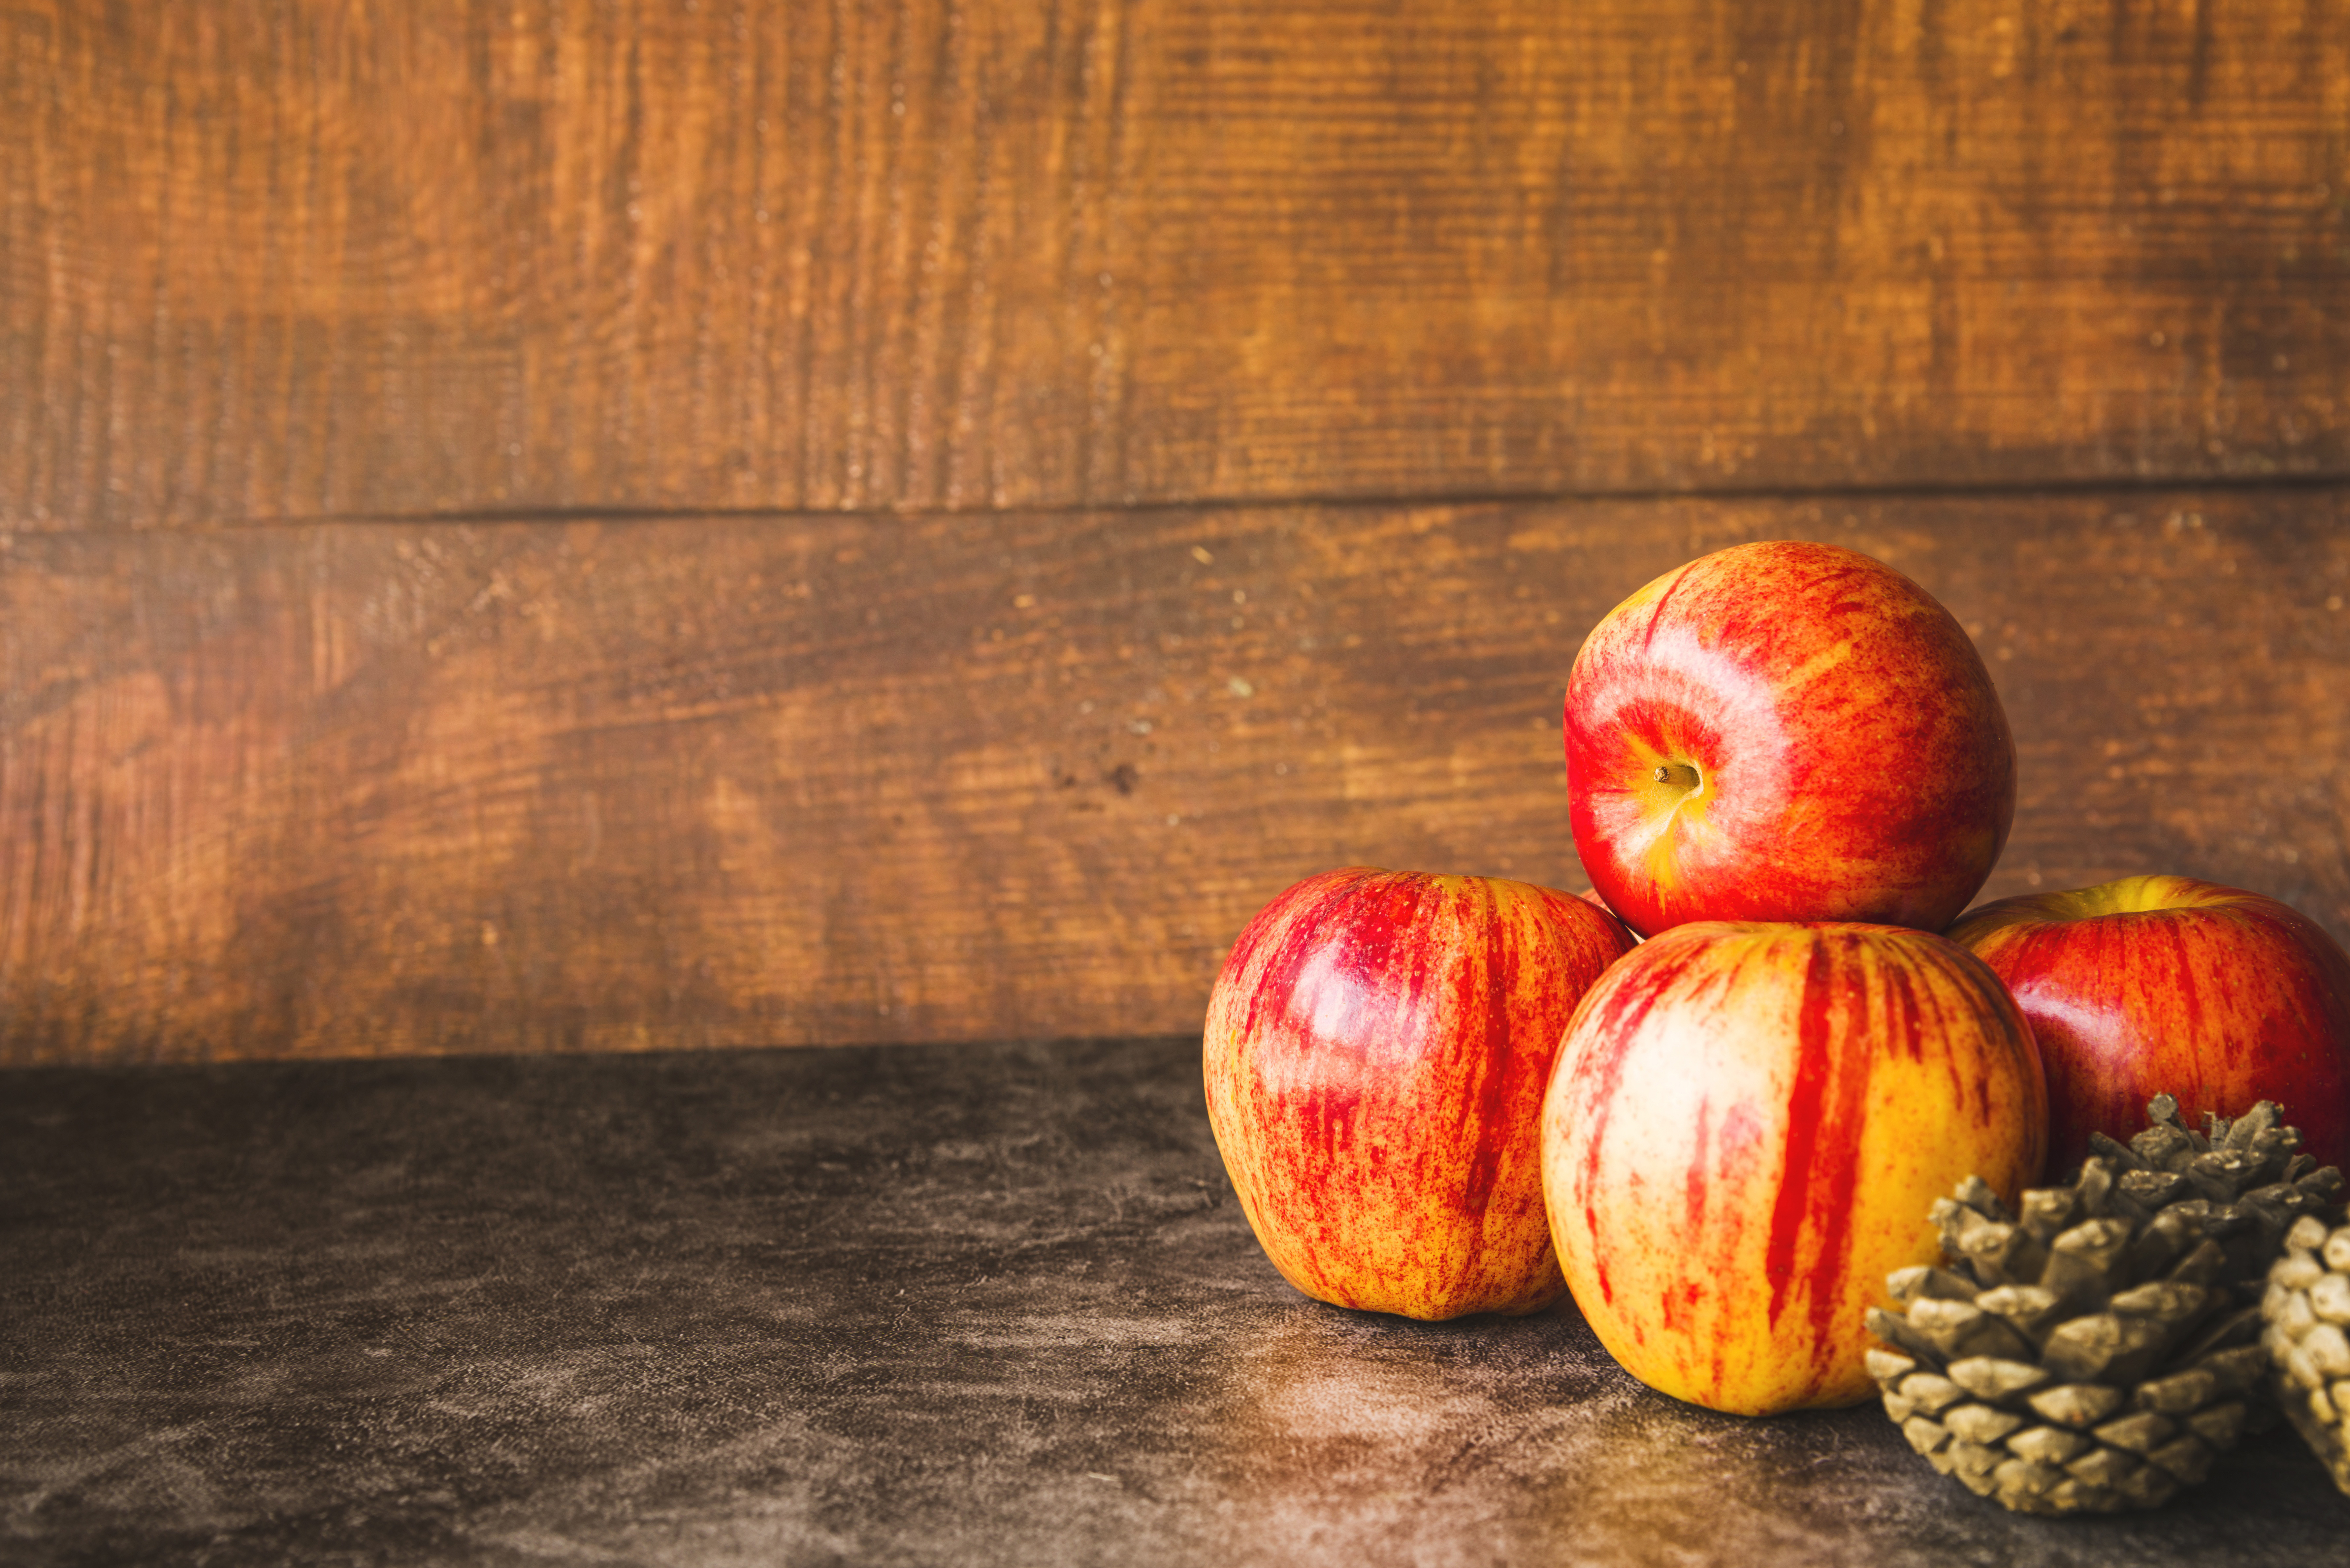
(1837, 750)
(1746, 1129)
(2169, 985)
(1375, 1053)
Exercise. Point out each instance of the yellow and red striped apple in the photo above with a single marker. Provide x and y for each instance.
(1786, 732)
(1375, 1053)
(1746, 1129)
(2169, 985)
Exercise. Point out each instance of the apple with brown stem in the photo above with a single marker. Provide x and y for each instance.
(1786, 732)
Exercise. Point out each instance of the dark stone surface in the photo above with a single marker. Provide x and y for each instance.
(911, 1305)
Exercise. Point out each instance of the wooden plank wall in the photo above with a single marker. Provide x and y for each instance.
(563, 525)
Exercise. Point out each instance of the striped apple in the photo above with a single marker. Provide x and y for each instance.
(1746, 1129)
(1786, 732)
(2155, 985)
(1375, 1053)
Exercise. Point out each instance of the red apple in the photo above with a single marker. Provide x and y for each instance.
(1376, 1052)
(1746, 1129)
(1786, 732)
(2168, 985)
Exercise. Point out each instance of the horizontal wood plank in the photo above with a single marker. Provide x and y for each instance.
(413, 787)
(294, 259)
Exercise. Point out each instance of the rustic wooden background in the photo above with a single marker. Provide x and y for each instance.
(556, 526)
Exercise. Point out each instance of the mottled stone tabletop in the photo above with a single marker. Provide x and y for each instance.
(904, 1305)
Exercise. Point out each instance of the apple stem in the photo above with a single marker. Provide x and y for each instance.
(1679, 773)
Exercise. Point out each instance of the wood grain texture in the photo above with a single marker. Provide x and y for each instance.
(297, 259)
(410, 787)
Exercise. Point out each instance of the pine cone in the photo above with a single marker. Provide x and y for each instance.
(2097, 1352)
(2307, 1308)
